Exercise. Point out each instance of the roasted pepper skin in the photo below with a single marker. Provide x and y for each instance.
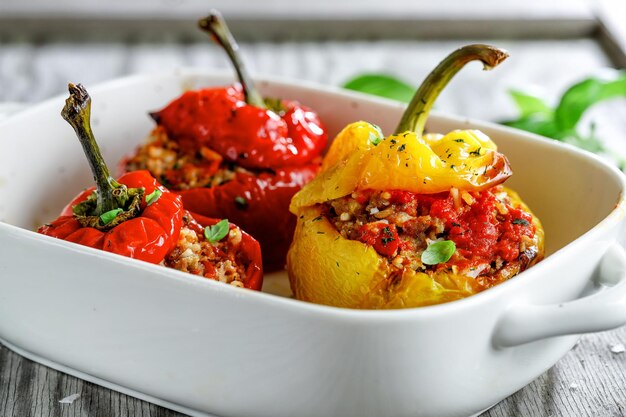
(465, 159)
(152, 235)
(148, 237)
(259, 204)
(281, 152)
(250, 250)
(326, 268)
(249, 136)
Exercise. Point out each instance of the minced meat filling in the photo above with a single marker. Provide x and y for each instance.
(178, 168)
(494, 240)
(220, 261)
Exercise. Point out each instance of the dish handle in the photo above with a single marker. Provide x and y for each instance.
(604, 310)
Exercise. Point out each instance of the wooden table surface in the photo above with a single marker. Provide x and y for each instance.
(589, 381)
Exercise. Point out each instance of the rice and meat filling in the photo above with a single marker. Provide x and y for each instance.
(222, 261)
(494, 238)
(179, 168)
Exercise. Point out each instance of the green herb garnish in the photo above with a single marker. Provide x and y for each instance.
(438, 252)
(377, 137)
(109, 216)
(381, 85)
(153, 196)
(561, 122)
(523, 222)
(216, 232)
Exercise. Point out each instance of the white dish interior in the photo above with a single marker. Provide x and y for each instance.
(212, 339)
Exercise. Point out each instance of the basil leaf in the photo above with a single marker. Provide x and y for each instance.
(438, 252)
(529, 105)
(589, 143)
(579, 97)
(381, 85)
(535, 124)
(216, 232)
(153, 196)
(109, 216)
(375, 139)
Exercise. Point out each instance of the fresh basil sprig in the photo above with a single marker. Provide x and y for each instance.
(153, 196)
(561, 122)
(216, 232)
(377, 137)
(438, 252)
(381, 85)
(109, 216)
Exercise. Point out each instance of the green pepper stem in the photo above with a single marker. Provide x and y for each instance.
(77, 112)
(216, 26)
(415, 115)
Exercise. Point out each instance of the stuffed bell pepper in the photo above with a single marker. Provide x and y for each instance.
(411, 219)
(230, 153)
(136, 217)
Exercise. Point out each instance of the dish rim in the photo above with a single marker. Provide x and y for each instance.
(614, 217)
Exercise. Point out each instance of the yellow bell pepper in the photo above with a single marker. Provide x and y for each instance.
(360, 159)
(325, 267)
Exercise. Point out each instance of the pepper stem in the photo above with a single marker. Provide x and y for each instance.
(415, 115)
(216, 26)
(77, 112)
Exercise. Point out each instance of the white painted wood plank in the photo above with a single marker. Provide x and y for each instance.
(589, 381)
(285, 19)
(289, 9)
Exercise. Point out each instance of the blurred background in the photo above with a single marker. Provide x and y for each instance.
(553, 45)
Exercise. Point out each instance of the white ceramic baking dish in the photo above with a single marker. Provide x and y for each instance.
(201, 347)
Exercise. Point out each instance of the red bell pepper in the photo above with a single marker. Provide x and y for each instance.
(277, 142)
(248, 251)
(133, 216)
(250, 135)
(149, 237)
(137, 217)
(257, 203)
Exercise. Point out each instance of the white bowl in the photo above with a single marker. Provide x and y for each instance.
(201, 347)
